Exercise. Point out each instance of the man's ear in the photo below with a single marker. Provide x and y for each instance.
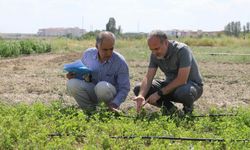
(98, 45)
(166, 42)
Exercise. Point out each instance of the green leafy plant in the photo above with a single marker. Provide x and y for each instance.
(55, 126)
(16, 48)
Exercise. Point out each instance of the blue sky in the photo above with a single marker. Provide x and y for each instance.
(27, 16)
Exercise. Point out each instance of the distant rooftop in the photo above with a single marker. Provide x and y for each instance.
(74, 32)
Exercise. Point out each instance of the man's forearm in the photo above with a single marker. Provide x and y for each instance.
(120, 97)
(145, 85)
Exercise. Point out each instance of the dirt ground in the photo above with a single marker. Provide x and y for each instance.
(40, 78)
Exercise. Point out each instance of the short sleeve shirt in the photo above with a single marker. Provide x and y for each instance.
(179, 55)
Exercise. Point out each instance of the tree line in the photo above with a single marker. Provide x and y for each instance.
(235, 29)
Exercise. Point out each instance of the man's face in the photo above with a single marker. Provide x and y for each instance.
(105, 49)
(157, 48)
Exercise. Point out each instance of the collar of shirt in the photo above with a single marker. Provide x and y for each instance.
(110, 60)
(169, 50)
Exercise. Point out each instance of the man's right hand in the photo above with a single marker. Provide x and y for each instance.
(140, 101)
(70, 75)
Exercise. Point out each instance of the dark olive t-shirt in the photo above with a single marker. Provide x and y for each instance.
(178, 55)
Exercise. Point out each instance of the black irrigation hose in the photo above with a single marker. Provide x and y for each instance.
(227, 54)
(57, 134)
(161, 137)
(194, 116)
(180, 138)
(168, 137)
(214, 115)
(223, 54)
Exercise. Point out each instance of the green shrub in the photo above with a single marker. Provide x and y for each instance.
(26, 47)
(8, 49)
(39, 47)
(199, 41)
(206, 42)
(215, 41)
(16, 48)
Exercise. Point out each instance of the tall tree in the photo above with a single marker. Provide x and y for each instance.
(244, 31)
(110, 26)
(233, 28)
(237, 29)
(248, 27)
(227, 29)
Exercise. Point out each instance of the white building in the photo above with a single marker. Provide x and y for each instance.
(74, 32)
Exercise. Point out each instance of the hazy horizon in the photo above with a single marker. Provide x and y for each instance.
(27, 16)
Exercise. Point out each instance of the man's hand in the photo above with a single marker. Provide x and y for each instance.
(70, 75)
(140, 102)
(152, 99)
(113, 107)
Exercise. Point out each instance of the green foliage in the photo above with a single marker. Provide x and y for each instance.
(134, 36)
(8, 49)
(233, 29)
(90, 35)
(199, 42)
(223, 41)
(135, 48)
(26, 47)
(204, 54)
(16, 48)
(58, 127)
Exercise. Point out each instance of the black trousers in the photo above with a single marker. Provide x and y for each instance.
(186, 94)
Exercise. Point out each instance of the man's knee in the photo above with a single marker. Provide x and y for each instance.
(186, 94)
(105, 91)
(76, 86)
(73, 86)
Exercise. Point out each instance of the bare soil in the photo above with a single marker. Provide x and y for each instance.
(35, 78)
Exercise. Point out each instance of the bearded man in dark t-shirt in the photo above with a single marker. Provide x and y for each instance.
(183, 82)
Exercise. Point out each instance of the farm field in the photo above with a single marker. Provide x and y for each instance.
(34, 102)
(39, 77)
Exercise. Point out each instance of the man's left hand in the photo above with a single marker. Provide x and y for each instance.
(113, 107)
(153, 98)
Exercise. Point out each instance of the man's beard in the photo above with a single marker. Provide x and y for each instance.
(159, 57)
